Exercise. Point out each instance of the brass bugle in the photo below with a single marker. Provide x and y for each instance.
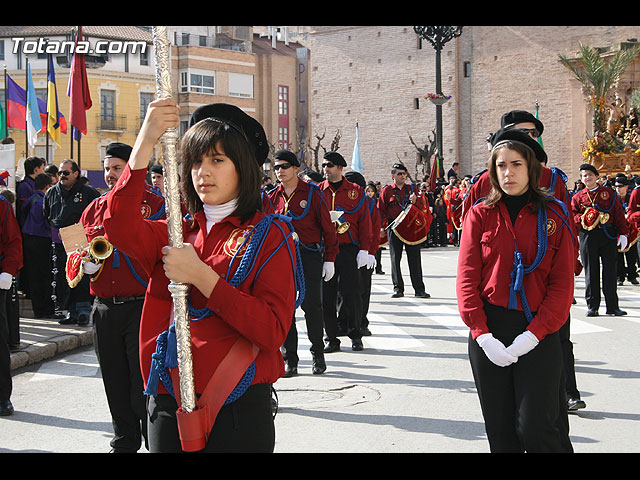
(340, 223)
(99, 249)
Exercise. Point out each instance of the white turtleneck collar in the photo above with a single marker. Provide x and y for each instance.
(215, 213)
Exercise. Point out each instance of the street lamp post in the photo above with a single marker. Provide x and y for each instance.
(438, 36)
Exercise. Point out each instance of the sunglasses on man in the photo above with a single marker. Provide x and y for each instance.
(283, 166)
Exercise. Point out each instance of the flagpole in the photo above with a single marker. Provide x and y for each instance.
(26, 124)
(6, 102)
(47, 125)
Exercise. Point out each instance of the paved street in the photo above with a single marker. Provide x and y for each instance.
(410, 390)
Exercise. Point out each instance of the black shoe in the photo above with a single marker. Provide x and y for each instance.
(379, 272)
(620, 283)
(423, 295)
(318, 365)
(634, 281)
(397, 295)
(356, 345)
(6, 408)
(290, 371)
(68, 320)
(575, 404)
(14, 348)
(332, 347)
(617, 312)
(592, 313)
(83, 320)
(365, 332)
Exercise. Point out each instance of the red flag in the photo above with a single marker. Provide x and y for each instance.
(78, 90)
(435, 172)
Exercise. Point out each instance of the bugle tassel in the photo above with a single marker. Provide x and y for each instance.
(174, 223)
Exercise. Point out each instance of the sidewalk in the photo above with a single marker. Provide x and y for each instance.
(42, 339)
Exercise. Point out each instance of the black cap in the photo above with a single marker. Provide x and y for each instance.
(287, 156)
(512, 118)
(335, 158)
(157, 168)
(505, 135)
(233, 116)
(314, 176)
(118, 150)
(588, 166)
(399, 166)
(621, 181)
(357, 178)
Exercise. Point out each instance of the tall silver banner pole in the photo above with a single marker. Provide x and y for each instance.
(174, 221)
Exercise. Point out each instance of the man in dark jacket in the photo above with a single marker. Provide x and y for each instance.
(63, 206)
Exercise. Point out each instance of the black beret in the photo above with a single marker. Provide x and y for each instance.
(505, 135)
(357, 178)
(335, 158)
(588, 166)
(622, 181)
(118, 150)
(514, 117)
(287, 156)
(233, 116)
(314, 176)
(157, 168)
(399, 166)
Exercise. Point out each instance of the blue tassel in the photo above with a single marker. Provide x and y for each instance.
(171, 358)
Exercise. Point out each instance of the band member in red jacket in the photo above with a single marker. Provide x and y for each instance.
(599, 212)
(242, 293)
(119, 283)
(393, 200)
(514, 288)
(10, 265)
(318, 243)
(347, 202)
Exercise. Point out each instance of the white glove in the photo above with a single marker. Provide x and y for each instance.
(371, 262)
(90, 268)
(5, 280)
(523, 343)
(362, 258)
(328, 269)
(495, 350)
(622, 242)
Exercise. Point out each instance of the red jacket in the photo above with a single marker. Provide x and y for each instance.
(260, 311)
(10, 239)
(486, 258)
(633, 210)
(607, 200)
(350, 198)
(127, 278)
(316, 225)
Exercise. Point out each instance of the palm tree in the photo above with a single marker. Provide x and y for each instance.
(597, 77)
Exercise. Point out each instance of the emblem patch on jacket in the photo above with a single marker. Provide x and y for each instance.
(236, 244)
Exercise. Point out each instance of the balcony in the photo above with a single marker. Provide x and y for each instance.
(111, 122)
(221, 41)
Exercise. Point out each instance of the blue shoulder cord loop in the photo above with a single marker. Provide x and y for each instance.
(519, 269)
(165, 356)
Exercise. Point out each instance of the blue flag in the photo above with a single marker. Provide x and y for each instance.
(356, 160)
(34, 123)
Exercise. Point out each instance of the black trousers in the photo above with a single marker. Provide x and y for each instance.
(596, 247)
(413, 259)
(244, 426)
(571, 386)
(628, 264)
(116, 330)
(522, 404)
(6, 384)
(311, 305)
(37, 259)
(346, 281)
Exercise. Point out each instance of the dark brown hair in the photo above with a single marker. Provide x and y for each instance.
(202, 139)
(537, 195)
